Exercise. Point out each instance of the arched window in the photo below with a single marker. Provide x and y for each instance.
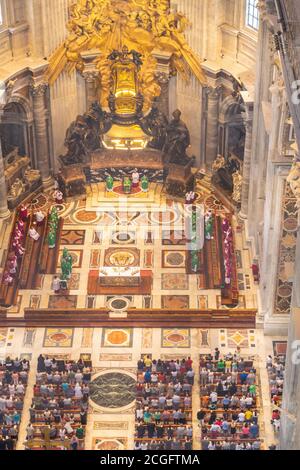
(252, 14)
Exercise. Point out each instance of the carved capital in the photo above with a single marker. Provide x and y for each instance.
(214, 93)
(38, 89)
(90, 75)
(162, 78)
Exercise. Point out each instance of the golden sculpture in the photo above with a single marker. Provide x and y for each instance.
(237, 186)
(143, 25)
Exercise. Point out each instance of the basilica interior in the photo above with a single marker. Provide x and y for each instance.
(149, 214)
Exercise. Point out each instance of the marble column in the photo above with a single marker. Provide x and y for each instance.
(38, 92)
(290, 410)
(248, 121)
(4, 212)
(212, 127)
(91, 78)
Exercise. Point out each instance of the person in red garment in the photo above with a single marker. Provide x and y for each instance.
(23, 212)
(58, 196)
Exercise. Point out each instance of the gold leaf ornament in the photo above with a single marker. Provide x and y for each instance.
(146, 26)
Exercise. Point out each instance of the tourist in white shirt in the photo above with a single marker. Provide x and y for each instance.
(78, 377)
(139, 414)
(211, 376)
(20, 389)
(154, 378)
(78, 391)
(249, 401)
(213, 397)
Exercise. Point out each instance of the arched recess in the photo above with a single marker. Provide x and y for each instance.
(16, 128)
(232, 131)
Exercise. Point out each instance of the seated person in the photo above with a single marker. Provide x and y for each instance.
(7, 278)
(23, 212)
(33, 233)
(39, 217)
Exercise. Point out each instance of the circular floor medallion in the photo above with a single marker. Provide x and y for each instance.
(113, 390)
(58, 337)
(175, 338)
(163, 218)
(175, 259)
(123, 238)
(118, 303)
(86, 217)
(119, 190)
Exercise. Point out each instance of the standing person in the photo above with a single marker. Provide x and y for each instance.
(135, 179)
(217, 354)
(58, 196)
(56, 285)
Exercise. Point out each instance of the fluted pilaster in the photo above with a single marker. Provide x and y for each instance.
(91, 79)
(38, 91)
(213, 100)
(248, 121)
(4, 212)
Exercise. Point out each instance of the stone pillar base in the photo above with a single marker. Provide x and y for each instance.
(4, 213)
(48, 182)
(242, 216)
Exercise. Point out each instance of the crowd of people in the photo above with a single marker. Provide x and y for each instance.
(13, 383)
(228, 417)
(60, 404)
(276, 371)
(26, 224)
(164, 404)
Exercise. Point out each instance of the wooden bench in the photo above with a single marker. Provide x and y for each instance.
(48, 259)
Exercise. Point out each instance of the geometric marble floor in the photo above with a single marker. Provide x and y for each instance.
(150, 237)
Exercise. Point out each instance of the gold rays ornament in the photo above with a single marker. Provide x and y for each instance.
(146, 26)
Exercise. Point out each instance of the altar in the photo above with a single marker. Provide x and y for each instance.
(120, 276)
(120, 281)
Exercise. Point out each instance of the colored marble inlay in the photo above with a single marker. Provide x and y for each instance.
(177, 338)
(58, 338)
(114, 337)
(174, 281)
